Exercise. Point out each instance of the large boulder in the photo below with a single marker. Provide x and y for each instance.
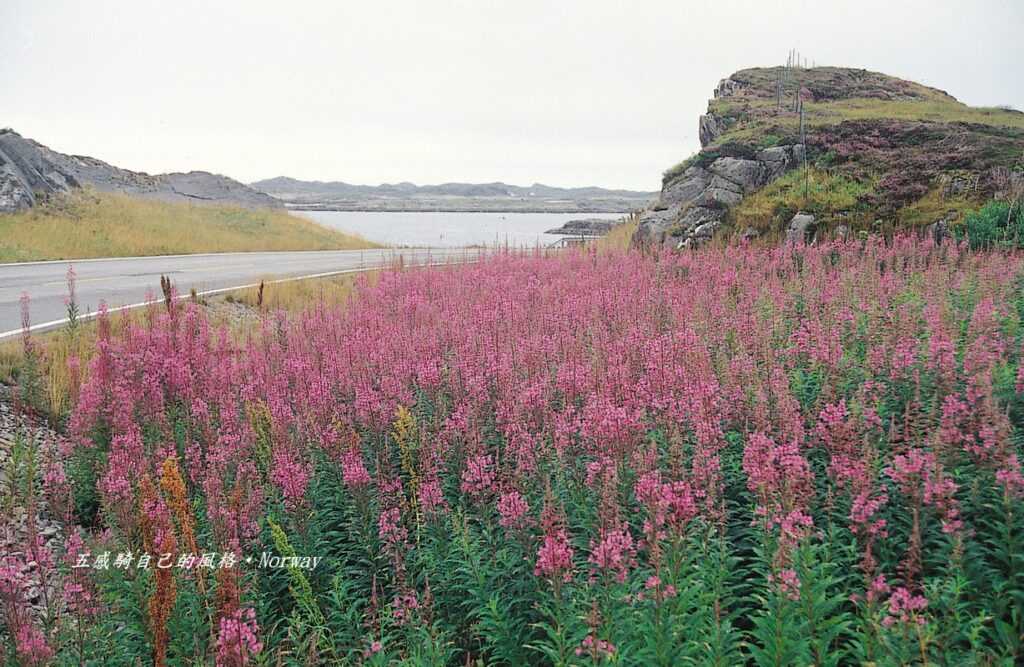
(939, 230)
(779, 159)
(801, 229)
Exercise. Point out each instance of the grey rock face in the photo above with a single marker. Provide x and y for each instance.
(959, 185)
(686, 188)
(721, 193)
(30, 171)
(14, 196)
(780, 159)
(709, 127)
(801, 229)
(747, 174)
(654, 226)
(693, 205)
(727, 87)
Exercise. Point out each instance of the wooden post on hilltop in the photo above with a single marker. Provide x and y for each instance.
(803, 142)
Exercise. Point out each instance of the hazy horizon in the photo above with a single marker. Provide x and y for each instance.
(579, 94)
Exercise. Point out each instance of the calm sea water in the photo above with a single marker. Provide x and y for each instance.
(451, 229)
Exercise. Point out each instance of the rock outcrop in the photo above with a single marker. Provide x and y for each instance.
(884, 153)
(693, 205)
(30, 172)
(711, 125)
(585, 227)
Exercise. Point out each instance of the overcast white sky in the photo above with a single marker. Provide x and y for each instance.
(586, 92)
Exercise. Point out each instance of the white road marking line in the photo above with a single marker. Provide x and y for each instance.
(88, 316)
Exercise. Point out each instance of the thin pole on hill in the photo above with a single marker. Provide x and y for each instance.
(803, 142)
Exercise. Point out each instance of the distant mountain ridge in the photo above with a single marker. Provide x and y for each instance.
(31, 172)
(450, 197)
(283, 186)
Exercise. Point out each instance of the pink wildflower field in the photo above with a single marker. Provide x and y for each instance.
(745, 455)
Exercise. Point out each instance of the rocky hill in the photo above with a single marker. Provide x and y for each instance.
(803, 152)
(405, 196)
(30, 172)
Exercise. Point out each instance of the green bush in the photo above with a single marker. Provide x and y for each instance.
(995, 225)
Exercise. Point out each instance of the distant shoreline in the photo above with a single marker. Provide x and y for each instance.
(423, 209)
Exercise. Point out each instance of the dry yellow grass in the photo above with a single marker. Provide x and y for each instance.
(934, 206)
(53, 350)
(90, 224)
(620, 236)
(295, 295)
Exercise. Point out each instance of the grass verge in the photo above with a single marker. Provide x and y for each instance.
(89, 224)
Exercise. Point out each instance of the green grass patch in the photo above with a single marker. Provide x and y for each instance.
(829, 196)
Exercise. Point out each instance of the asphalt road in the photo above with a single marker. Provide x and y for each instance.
(121, 282)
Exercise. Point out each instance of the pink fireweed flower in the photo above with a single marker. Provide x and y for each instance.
(597, 470)
(58, 491)
(1010, 478)
(30, 646)
(795, 526)
(124, 467)
(513, 509)
(669, 504)
(909, 469)
(390, 528)
(597, 649)
(353, 471)
(878, 589)
(905, 607)
(817, 343)
(291, 473)
(478, 478)
(26, 322)
(788, 583)
(779, 476)
(403, 606)
(904, 356)
(1020, 372)
(430, 497)
(862, 511)
(238, 641)
(614, 553)
(919, 475)
(653, 586)
(953, 431)
(554, 558)
(79, 591)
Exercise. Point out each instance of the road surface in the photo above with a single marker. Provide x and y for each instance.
(121, 282)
